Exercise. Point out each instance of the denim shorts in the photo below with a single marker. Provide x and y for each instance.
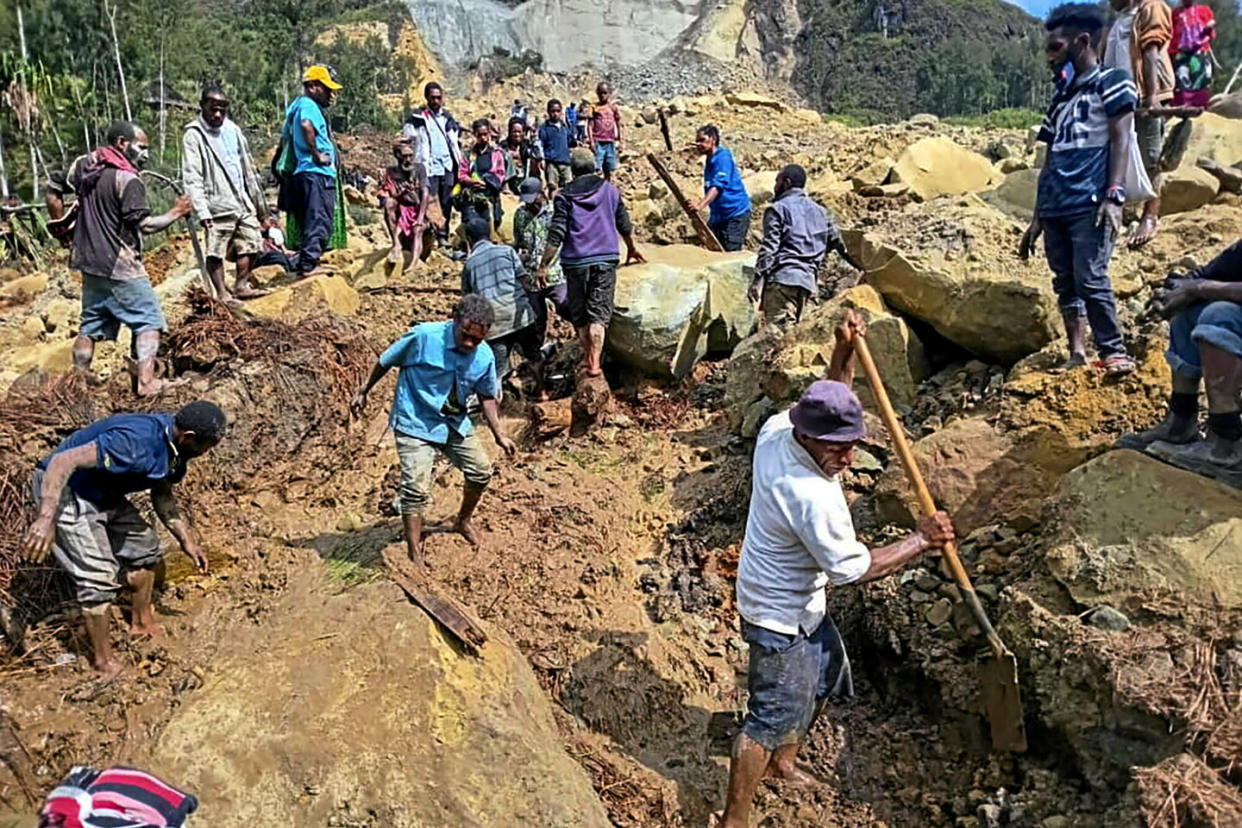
(590, 293)
(1211, 323)
(107, 304)
(605, 156)
(789, 679)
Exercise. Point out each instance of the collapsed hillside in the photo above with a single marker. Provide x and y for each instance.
(608, 558)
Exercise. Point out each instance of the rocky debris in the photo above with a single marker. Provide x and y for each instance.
(1107, 618)
(1138, 532)
(873, 174)
(1016, 194)
(307, 298)
(937, 166)
(942, 269)
(1230, 178)
(752, 99)
(1187, 188)
(975, 472)
(773, 368)
(1208, 136)
(760, 186)
(474, 735)
(685, 302)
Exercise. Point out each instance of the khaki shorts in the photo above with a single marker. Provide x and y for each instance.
(231, 237)
(417, 458)
(782, 304)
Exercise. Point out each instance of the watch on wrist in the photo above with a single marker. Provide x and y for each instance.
(1116, 195)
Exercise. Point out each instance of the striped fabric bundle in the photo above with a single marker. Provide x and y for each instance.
(119, 797)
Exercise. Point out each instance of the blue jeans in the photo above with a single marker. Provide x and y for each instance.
(605, 156)
(731, 233)
(1078, 252)
(314, 203)
(1214, 323)
(789, 678)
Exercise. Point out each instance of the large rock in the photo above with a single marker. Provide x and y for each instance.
(365, 698)
(684, 302)
(307, 298)
(975, 473)
(760, 186)
(1227, 106)
(755, 100)
(1016, 194)
(1134, 530)
(24, 287)
(780, 363)
(937, 166)
(1209, 136)
(957, 271)
(1187, 188)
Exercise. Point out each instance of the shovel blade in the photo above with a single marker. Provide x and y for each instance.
(1002, 702)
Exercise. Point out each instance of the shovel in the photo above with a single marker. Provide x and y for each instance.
(999, 673)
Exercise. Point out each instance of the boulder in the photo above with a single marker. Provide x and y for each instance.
(24, 287)
(1230, 178)
(1010, 165)
(1016, 194)
(923, 119)
(307, 298)
(884, 190)
(874, 174)
(1208, 136)
(384, 702)
(755, 100)
(937, 166)
(975, 473)
(1133, 530)
(51, 357)
(1227, 106)
(956, 270)
(760, 186)
(684, 302)
(778, 364)
(1187, 188)
(60, 314)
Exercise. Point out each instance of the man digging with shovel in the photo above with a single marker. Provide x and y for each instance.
(800, 537)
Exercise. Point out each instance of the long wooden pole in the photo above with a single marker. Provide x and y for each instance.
(705, 234)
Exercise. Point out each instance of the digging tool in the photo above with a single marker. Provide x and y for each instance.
(706, 236)
(189, 224)
(668, 140)
(451, 615)
(999, 673)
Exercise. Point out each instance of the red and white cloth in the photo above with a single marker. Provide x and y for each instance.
(119, 797)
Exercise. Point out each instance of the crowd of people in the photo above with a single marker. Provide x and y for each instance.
(1104, 131)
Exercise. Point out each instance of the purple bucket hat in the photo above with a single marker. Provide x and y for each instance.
(829, 410)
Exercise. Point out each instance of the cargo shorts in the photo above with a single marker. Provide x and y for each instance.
(417, 458)
(230, 237)
(107, 304)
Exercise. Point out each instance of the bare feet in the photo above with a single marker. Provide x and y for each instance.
(394, 254)
(146, 629)
(152, 389)
(466, 529)
(1144, 232)
(1074, 361)
(248, 292)
(108, 670)
(795, 775)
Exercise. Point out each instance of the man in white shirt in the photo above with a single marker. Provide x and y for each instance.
(799, 538)
(436, 137)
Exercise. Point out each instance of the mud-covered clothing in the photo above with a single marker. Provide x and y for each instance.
(783, 304)
(588, 215)
(417, 458)
(1076, 129)
(107, 304)
(797, 234)
(530, 239)
(435, 380)
(134, 453)
(799, 536)
(789, 677)
(112, 204)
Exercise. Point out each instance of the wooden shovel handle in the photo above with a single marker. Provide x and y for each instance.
(928, 506)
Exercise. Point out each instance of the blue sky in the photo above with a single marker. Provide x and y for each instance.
(1037, 8)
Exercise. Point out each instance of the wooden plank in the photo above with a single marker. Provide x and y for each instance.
(451, 615)
(700, 227)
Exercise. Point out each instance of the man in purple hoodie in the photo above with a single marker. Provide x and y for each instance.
(587, 217)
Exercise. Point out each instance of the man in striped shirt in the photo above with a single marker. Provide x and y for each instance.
(1081, 191)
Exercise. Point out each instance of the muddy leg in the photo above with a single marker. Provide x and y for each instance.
(746, 768)
(83, 353)
(592, 337)
(242, 288)
(142, 622)
(1222, 375)
(464, 526)
(97, 621)
(146, 346)
(391, 219)
(414, 540)
(215, 272)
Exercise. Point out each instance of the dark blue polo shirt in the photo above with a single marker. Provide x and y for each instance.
(136, 451)
(555, 139)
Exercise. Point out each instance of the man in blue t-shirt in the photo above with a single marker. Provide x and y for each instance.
(1081, 191)
(96, 534)
(723, 191)
(310, 194)
(441, 365)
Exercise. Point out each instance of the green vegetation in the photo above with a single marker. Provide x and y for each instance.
(1000, 119)
(62, 87)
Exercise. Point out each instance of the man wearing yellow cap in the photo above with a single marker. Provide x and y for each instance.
(310, 192)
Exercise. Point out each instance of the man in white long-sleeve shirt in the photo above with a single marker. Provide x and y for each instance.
(799, 538)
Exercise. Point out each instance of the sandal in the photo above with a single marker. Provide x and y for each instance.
(1116, 365)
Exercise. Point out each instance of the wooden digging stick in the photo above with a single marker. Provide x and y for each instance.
(706, 236)
(668, 140)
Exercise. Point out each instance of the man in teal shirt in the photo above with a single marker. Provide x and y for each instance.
(723, 191)
(310, 194)
(441, 365)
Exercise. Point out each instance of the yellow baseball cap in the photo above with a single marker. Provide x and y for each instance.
(323, 74)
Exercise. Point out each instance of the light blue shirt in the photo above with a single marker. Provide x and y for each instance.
(433, 373)
(305, 109)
